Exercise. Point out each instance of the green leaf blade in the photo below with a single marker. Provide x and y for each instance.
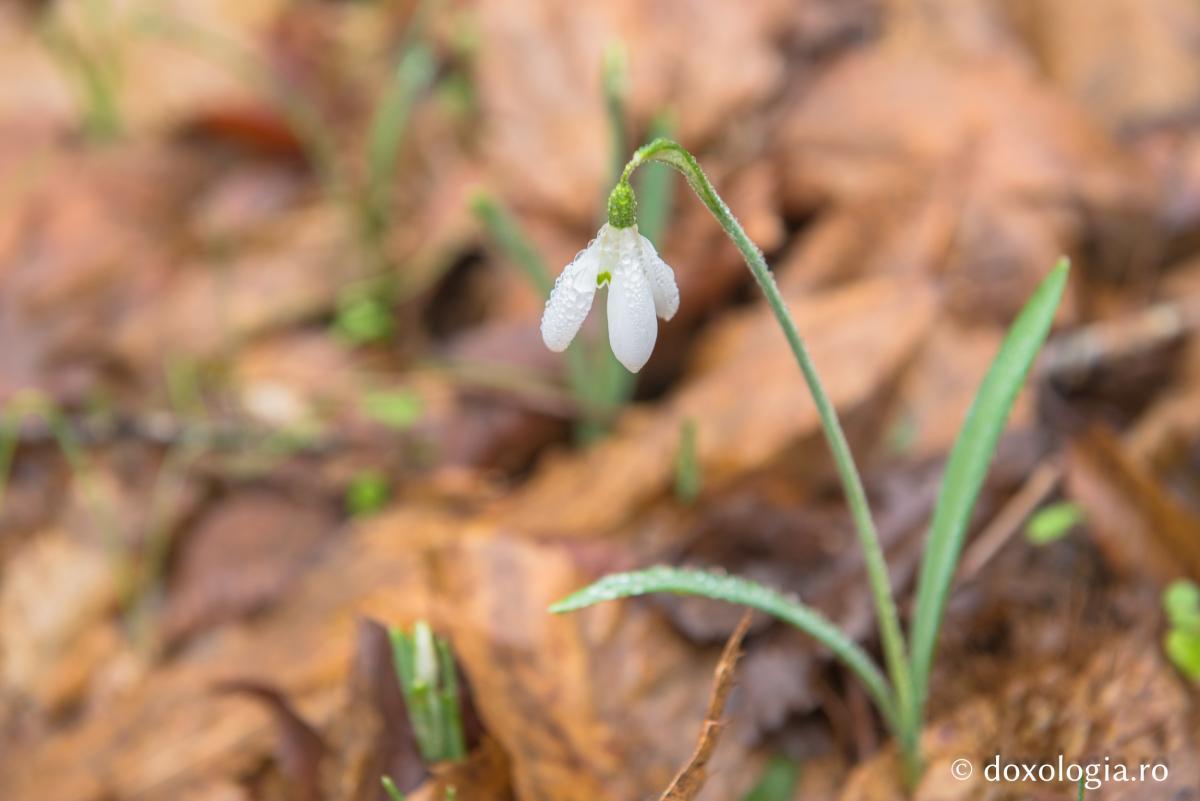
(968, 464)
(733, 589)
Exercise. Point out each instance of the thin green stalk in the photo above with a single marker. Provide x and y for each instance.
(674, 155)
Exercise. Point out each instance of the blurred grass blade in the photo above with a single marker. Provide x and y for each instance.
(614, 71)
(412, 76)
(10, 432)
(588, 362)
(747, 593)
(655, 188)
(506, 232)
(688, 478)
(968, 464)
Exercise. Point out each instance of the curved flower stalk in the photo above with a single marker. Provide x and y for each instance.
(640, 286)
(902, 696)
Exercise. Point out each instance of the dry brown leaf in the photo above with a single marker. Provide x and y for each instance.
(1139, 527)
(595, 706)
(691, 777)
(539, 84)
(243, 554)
(301, 647)
(298, 749)
(55, 598)
(1033, 175)
(1077, 42)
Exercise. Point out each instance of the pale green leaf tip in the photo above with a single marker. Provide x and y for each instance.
(569, 604)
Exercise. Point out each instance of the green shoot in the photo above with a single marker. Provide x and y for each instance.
(429, 681)
(389, 787)
(778, 781)
(1052, 523)
(688, 478)
(368, 493)
(1181, 602)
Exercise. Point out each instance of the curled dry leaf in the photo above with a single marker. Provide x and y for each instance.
(691, 778)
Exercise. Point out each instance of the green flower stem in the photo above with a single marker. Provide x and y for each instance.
(674, 155)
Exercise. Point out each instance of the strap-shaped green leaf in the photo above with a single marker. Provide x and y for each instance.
(968, 465)
(742, 591)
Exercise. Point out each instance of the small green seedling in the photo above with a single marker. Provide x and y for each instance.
(778, 781)
(901, 694)
(429, 682)
(398, 410)
(363, 316)
(368, 493)
(1181, 601)
(1052, 523)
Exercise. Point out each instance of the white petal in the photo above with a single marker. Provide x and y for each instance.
(632, 327)
(571, 299)
(662, 280)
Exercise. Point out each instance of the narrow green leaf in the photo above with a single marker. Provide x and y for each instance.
(747, 593)
(968, 464)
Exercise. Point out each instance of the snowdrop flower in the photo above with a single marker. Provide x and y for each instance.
(640, 287)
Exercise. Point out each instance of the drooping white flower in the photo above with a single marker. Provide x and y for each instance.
(640, 287)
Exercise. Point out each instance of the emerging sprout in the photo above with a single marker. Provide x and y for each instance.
(640, 287)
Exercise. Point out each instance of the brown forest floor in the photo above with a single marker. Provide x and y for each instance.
(189, 610)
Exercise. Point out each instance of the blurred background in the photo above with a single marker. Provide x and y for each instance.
(271, 381)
